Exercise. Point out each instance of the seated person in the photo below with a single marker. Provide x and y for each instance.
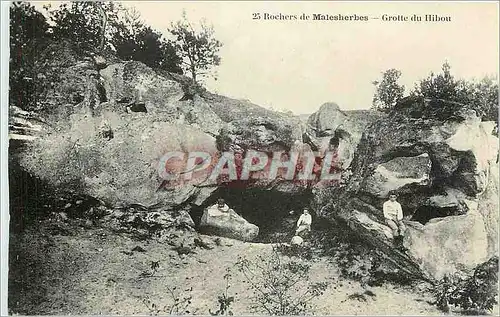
(219, 208)
(304, 223)
(393, 214)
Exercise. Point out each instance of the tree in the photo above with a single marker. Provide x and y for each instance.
(388, 92)
(198, 49)
(441, 86)
(481, 96)
(85, 23)
(27, 26)
(98, 26)
(146, 45)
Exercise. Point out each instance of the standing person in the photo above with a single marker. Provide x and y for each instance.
(393, 214)
(304, 223)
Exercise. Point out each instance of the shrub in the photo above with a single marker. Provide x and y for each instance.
(475, 293)
(180, 303)
(280, 285)
(224, 300)
(448, 96)
(480, 96)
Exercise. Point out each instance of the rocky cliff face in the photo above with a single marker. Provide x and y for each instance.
(105, 125)
(444, 174)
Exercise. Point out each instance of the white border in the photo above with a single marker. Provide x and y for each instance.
(4, 147)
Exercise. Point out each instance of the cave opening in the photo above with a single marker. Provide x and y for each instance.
(270, 210)
(425, 213)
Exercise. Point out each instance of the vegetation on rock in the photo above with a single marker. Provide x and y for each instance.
(388, 91)
(458, 94)
(198, 49)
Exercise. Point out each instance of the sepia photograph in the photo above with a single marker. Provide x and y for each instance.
(250, 158)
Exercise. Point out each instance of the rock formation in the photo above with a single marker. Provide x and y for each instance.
(103, 125)
(443, 171)
(228, 224)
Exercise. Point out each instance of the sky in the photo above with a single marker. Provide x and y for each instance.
(298, 65)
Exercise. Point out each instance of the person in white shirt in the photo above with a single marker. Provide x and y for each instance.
(220, 209)
(393, 214)
(304, 223)
(221, 205)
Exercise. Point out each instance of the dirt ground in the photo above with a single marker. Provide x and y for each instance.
(93, 271)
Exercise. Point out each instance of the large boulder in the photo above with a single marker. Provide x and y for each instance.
(332, 129)
(105, 126)
(328, 117)
(227, 224)
(266, 137)
(367, 223)
(458, 166)
(128, 85)
(115, 158)
(449, 244)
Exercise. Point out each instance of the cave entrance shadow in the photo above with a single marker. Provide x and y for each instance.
(268, 209)
(424, 214)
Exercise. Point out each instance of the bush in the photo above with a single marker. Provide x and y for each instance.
(448, 96)
(480, 96)
(281, 285)
(224, 300)
(475, 293)
(180, 302)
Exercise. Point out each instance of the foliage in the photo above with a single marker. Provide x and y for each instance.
(180, 303)
(387, 91)
(96, 26)
(27, 26)
(225, 301)
(278, 284)
(480, 96)
(136, 41)
(473, 293)
(198, 49)
(455, 95)
(441, 86)
(85, 23)
(483, 97)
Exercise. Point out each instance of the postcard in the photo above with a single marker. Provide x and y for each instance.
(250, 158)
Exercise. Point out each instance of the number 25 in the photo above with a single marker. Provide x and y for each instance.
(256, 16)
